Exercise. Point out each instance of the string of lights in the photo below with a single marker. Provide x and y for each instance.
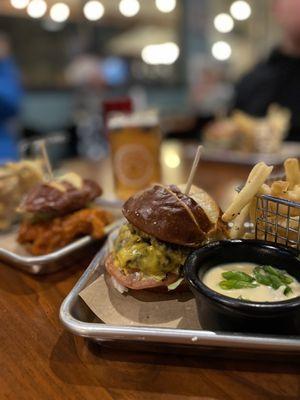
(93, 10)
(224, 23)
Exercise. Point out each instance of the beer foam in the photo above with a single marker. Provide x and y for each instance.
(136, 119)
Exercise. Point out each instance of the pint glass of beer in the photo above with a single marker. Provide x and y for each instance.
(135, 151)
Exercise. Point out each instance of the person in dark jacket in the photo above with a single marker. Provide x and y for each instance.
(277, 79)
(10, 99)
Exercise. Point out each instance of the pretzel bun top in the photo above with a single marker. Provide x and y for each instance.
(59, 198)
(166, 213)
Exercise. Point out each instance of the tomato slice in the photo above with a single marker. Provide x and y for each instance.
(134, 280)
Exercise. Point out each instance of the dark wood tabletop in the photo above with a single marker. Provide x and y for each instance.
(40, 360)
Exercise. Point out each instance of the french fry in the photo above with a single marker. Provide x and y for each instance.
(257, 167)
(264, 190)
(293, 195)
(279, 188)
(256, 179)
(292, 172)
(253, 210)
(291, 233)
(237, 230)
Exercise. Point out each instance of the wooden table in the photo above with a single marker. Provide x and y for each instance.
(39, 360)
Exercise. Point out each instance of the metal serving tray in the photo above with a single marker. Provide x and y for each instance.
(54, 261)
(80, 320)
(62, 258)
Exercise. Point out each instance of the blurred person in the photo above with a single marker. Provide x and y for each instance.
(210, 90)
(84, 73)
(10, 99)
(276, 79)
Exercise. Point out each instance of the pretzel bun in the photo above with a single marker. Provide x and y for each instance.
(59, 198)
(212, 210)
(172, 217)
(169, 215)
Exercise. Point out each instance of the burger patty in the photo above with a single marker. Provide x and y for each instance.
(136, 252)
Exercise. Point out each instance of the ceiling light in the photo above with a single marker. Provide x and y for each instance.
(223, 23)
(221, 51)
(19, 3)
(129, 8)
(165, 53)
(60, 12)
(93, 10)
(37, 8)
(165, 6)
(240, 10)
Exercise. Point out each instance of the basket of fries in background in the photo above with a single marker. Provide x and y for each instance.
(15, 180)
(248, 134)
(268, 208)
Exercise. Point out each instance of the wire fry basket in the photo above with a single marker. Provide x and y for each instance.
(274, 219)
(277, 220)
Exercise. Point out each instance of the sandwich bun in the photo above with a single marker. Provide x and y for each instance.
(212, 210)
(169, 215)
(59, 198)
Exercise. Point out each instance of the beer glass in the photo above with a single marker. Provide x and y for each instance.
(135, 151)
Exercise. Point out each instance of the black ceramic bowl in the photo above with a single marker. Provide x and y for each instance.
(218, 312)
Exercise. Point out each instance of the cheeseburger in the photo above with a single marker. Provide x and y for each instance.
(162, 227)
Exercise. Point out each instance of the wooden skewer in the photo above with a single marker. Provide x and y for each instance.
(193, 170)
(46, 158)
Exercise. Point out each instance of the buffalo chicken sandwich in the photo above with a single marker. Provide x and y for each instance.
(163, 226)
(57, 212)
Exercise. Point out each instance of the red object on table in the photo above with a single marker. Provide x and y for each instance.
(122, 104)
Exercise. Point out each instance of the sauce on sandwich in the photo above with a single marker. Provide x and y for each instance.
(252, 282)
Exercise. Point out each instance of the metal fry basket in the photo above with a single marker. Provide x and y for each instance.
(274, 219)
(277, 220)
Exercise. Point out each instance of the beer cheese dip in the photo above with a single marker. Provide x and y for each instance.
(248, 281)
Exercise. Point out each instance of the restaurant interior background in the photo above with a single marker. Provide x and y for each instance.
(181, 57)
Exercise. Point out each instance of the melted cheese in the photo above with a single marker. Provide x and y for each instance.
(261, 293)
